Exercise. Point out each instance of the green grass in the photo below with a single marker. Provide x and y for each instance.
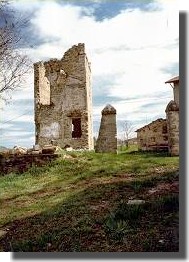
(79, 204)
(129, 219)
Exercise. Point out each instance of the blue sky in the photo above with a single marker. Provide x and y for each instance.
(133, 47)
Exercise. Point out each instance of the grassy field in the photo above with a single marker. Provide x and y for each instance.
(79, 203)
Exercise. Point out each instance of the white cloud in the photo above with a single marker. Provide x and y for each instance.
(134, 28)
(16, 134)
(135, 43)
(132, 48)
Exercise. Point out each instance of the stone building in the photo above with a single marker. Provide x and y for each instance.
(63, 100)
(172, 116)
(154, 136)
(163, 133)
(107, 138)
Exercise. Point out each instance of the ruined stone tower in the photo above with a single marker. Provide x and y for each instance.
(63, 100)
(107, 138)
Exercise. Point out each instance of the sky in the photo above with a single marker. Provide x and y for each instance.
(133, 47)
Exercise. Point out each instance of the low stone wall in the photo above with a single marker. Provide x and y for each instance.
(21, 163)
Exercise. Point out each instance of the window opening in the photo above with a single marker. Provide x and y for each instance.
(76, 128)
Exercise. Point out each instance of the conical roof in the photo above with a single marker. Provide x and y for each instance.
(108, 110)
(172, 106)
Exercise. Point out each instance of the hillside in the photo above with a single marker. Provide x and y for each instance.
(3, 148)
(84, 202)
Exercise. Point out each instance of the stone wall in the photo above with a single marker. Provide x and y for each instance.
(21, 163)
(63, 100)
(43, 95)
(154, 136)
(172, 115)
(107, 138)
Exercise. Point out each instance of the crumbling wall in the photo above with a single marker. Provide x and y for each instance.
(89, 102)
(107, 138)
(70, 99)
(21, 163)
(172, 115)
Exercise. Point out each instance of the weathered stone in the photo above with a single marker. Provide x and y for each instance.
(69, 149)
(107, 138)
(36, 147)
(63, 100)
(173, 131)
(19, 150)
(36, 152)
(154, 136)
(172, 106)
(135, 202)
(172, 116)
(21, 163)
(48, 149)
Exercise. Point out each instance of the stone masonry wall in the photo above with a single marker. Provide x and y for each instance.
(172, 115)
(43, 84)
(107, 138)
(21, 163)
(68, 98)
(154, 136)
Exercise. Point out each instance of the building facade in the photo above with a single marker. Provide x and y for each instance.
(163, 134)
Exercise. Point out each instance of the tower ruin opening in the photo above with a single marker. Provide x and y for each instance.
(76, 128)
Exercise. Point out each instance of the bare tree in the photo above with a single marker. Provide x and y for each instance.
(128, 129)
(13, 64)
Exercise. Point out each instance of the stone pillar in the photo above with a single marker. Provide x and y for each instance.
(176, 93)
(172, 116)
(107, 138)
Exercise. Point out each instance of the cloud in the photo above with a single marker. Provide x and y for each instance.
(18, 132)
(172, 69)
(133, 50)
(132, 27)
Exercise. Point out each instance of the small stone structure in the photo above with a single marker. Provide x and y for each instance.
(159, 139)
(154, 136)
(172, 116)
(63, 100)
(107, 138)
